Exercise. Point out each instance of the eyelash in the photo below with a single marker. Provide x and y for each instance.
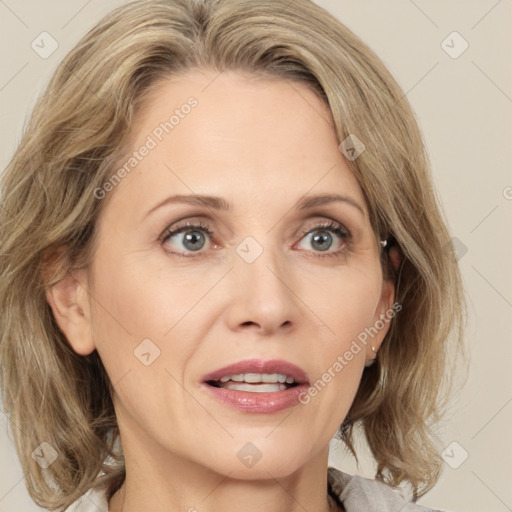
(338, 229)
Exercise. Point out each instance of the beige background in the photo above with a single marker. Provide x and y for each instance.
(464, 107)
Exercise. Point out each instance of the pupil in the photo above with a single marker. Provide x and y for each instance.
(191, 239)
(322, 237)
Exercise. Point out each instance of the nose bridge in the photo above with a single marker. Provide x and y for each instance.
(261, 261)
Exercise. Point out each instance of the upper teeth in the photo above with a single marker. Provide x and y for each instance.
(259, 377)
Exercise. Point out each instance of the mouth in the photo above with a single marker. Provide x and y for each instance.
(258, 386)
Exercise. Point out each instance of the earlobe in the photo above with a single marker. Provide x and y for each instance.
(68, 300)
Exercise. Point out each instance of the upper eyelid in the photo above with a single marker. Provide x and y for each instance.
(312, 217)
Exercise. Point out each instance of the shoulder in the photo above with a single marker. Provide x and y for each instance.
(359, 494)
(94, 500)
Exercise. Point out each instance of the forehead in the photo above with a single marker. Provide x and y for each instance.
(248, 136)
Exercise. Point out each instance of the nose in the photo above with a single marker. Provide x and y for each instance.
(263, 293)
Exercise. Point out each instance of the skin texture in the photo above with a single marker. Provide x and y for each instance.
(261, 145)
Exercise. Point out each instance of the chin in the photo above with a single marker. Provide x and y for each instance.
(250, 463)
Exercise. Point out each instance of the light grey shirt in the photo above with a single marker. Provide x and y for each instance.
(357, 494)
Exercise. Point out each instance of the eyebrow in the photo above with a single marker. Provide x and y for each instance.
(218, 203)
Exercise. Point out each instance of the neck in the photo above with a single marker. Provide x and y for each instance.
(161, 481)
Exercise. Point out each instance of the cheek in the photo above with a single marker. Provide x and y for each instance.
(345, 305)
(139, 336)
(143, 304)
(134, 295)
(134, 312)
(345, 301)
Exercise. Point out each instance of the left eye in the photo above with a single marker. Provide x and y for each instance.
(320, 236)
(194, 238)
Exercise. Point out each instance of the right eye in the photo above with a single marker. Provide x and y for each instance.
(192, 239)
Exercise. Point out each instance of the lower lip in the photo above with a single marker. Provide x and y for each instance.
(258, 403)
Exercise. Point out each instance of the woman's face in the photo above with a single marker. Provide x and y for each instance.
(255, 276)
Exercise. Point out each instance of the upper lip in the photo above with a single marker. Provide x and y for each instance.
(260, 366)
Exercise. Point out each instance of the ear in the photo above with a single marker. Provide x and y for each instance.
(69, 300)
(382, 320)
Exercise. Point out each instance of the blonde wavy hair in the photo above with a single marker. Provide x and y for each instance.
(76, 137)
